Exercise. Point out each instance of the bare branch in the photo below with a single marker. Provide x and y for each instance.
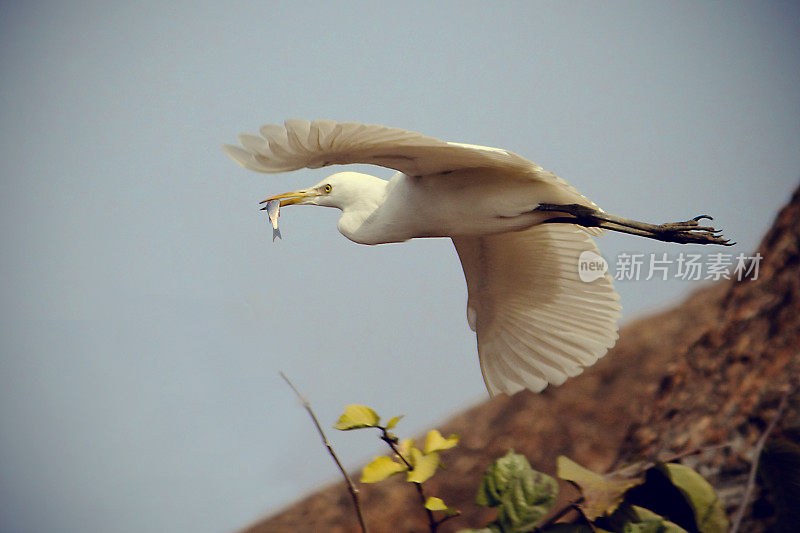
(350, 485)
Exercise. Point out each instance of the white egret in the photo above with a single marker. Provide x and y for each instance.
(537, 322)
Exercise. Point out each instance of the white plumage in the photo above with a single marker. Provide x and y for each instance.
(536, 321)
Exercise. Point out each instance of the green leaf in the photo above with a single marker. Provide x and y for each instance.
(498, 477)
(434, 442)
(357, 417)
(393, 422)
(601, 493)
(523, 496)
(425, 466)
(640, 514)
(629, 516)
(709, 514)
(379, 469)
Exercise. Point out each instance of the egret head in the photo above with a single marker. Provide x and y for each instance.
(339, 190)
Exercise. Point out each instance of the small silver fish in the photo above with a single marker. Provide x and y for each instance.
(274, 211)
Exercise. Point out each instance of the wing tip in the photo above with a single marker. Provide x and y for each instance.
(237, 153)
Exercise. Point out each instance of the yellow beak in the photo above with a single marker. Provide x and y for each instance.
(291, 198)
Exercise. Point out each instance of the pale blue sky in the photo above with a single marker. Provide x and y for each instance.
(145, 313)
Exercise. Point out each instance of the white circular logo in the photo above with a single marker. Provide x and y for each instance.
(591, 266)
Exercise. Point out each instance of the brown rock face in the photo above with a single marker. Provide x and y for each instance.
(710, 371)
(726, 386)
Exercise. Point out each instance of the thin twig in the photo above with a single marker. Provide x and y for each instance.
(393, 445)
(454, 514)
(695, 451)
(433, 524)
(751, 479)
(350, 485)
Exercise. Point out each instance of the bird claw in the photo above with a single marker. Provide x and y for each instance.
(690, 231)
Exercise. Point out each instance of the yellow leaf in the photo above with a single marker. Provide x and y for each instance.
(434, 442)
(357, 417)
(405, 447)
(393, 422)
(424, 466)
(435, 504)
(602, 494)
(379, 469)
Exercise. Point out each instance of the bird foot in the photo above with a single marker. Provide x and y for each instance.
(690, 231)
(685, 232)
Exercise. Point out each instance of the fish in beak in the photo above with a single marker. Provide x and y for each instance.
(274, 204)
(273, 208)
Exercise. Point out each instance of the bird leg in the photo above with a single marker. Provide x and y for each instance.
(689, 231)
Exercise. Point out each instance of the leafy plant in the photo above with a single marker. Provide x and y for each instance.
(640, 498)
(419, 465)
(609, 503)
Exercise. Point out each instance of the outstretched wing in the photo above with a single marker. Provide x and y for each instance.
(536, 321)
(302, 144)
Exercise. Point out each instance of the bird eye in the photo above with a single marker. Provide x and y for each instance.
(327, 188)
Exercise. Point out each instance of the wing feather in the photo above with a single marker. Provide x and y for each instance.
(536, 321)
(254, 144)
(571, 351)
(552, 366)
(273, 131)
(302, 144)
